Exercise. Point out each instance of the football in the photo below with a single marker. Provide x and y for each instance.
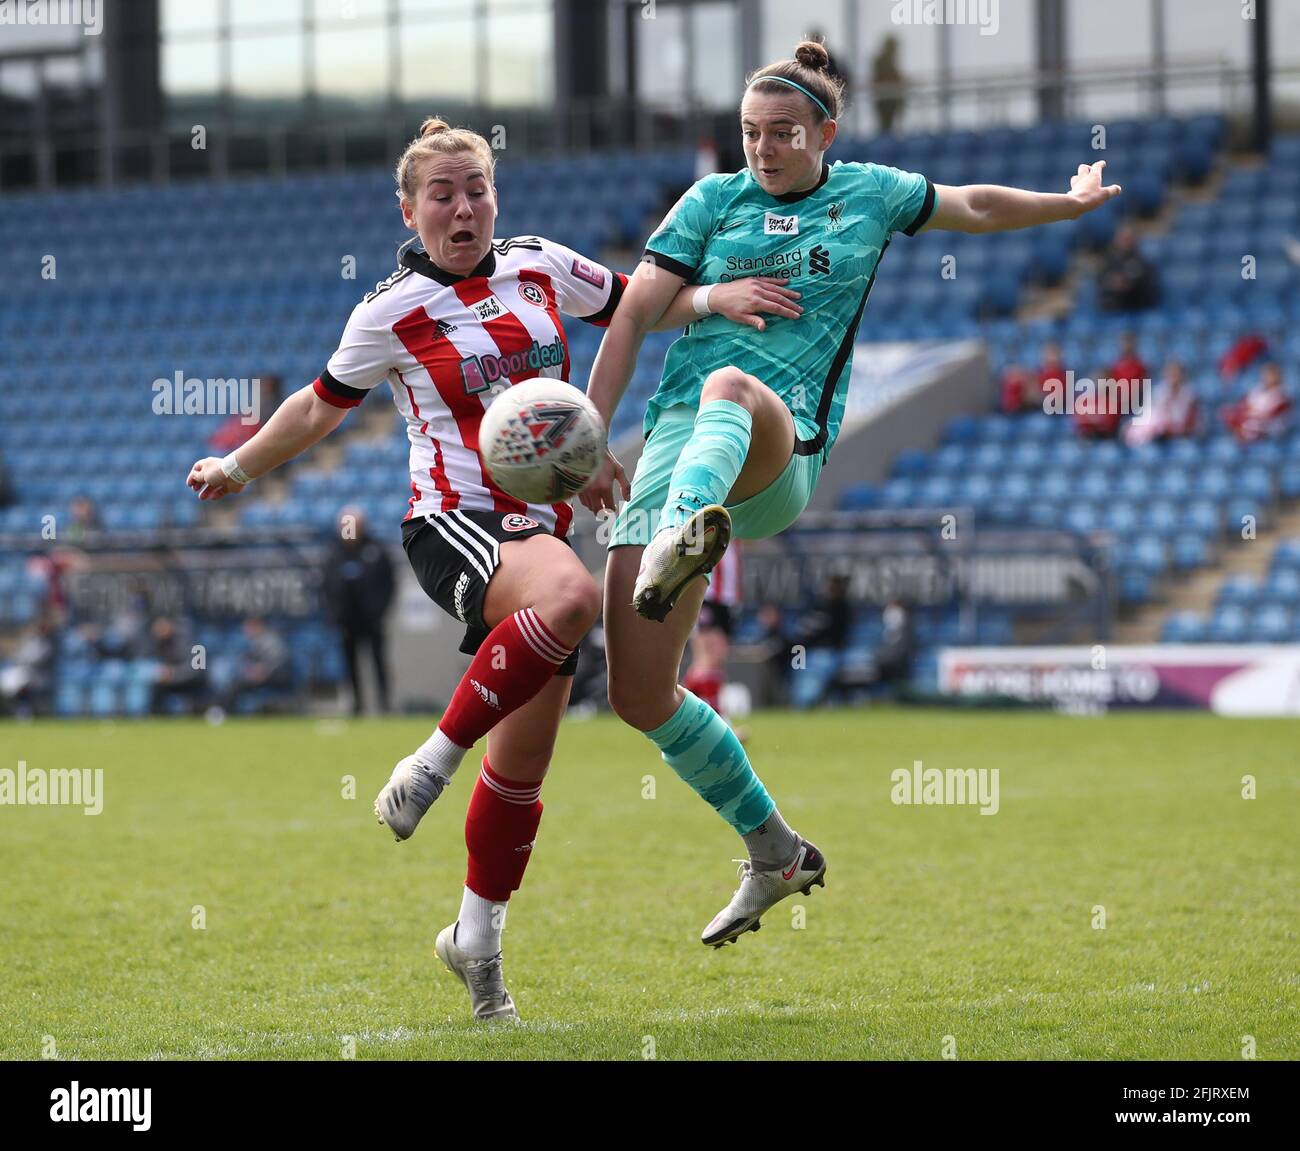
(541, 441)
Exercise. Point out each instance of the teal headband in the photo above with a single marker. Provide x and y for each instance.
(800, 87)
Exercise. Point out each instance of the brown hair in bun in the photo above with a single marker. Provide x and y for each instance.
(810, 69)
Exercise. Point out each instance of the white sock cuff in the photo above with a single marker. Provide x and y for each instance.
(439, 753)
(479, 926)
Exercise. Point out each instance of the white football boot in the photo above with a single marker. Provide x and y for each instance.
(482, 978)
(408, 794)
(760, 890)
(678, 555)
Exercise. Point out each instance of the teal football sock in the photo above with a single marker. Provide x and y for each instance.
(710, 462)
(699, 746)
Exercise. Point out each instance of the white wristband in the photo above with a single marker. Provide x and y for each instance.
(233, 471)
(700, 301)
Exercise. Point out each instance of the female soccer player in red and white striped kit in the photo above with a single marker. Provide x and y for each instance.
(462, 317)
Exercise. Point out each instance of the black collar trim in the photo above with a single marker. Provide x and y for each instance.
(418, 261)
(795, 197)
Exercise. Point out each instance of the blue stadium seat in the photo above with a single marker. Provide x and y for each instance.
(1271, 624)
(1283, 586)
(1229, 624)
(1191, 552)
(1183, 627)
(1240, 589)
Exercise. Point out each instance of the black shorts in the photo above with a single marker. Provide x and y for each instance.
(454, 555)
(716, 616)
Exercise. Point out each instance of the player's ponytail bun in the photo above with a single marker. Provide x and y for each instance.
(438, 138)
(812, 55)
(810, 69)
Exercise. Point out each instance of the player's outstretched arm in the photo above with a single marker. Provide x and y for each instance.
(993, 208)
(302, 420)
(645, 299)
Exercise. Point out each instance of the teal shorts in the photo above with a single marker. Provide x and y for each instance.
(763, 515)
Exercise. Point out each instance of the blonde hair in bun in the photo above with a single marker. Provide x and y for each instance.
(438, 138)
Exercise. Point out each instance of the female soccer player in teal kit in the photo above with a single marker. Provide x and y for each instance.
(743, 421)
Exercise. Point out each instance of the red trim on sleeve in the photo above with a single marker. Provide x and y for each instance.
(329, 397)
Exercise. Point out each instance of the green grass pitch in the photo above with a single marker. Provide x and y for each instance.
(936, 922)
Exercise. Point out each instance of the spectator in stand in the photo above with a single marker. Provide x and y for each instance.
(51, 569)
(1023, 392)
(124, 634)
(264, 663)
(359, 591)
(1262, 412)
(84, 521)
(777, 654)
(1174, 411)
(1241, 355)
(824, 634)
(27, 680)
(1014, 388)
(234, 432)
(894, 655)
(1112, 401)
(831, 620)
(887, 84)
(1052, 374)
(1128, 280)
(1130, 366)
(175, 675)
(6, 486)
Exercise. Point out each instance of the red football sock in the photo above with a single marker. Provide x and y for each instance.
(515, 662)
(500, 827)
(707, 685)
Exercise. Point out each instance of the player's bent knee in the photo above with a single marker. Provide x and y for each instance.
(728, 384)
(570, 604)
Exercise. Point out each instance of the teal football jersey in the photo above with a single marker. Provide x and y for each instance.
(826, 242)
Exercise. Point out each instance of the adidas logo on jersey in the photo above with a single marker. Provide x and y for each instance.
(489, 696)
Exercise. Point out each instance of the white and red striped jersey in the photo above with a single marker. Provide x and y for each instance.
(724, 582)
(447, 343)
